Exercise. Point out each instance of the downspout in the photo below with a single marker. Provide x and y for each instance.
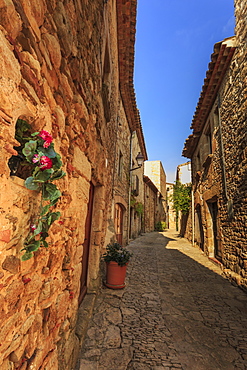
(130, 178)
(228, 201)
(193, 216)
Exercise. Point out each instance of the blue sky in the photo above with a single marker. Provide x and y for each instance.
(174, 43)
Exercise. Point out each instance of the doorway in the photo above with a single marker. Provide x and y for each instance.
(86, 245)
(118, 221)
(199, 234)
(213, 209)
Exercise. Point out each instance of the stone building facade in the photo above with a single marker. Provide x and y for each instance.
(67, 68)
(136, 192)
(171, 213)
(155, 171)
(151, 199)
(218, 151)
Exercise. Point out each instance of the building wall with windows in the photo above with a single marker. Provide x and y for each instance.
(217, 148)
(136, 209)
(67, 68)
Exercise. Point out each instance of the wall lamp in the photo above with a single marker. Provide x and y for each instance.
(139, 160)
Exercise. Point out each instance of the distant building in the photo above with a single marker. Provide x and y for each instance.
(155, 171)
(183, 174)
(171, 213)
(151, 201)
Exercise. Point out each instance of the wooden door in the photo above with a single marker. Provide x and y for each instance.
(119, 223)
(214, 214)
(86, 245)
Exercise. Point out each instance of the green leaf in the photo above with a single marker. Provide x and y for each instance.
(29, 149)
(34, 246)
(38, 229)
(30, 184)
(35, 133)
(45, 244)
(51, 192)
(57, 163)
(57, 175)
(54, 201)
(45, 209)
(26, 256)
(44, 235)
(49, 152)
(21, 127)
(43, 176)
(53, 217)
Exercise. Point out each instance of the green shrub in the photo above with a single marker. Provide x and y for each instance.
(160, 226)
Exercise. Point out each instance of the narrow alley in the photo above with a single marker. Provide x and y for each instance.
(176, 312)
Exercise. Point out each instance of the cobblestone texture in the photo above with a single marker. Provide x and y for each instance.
(176, 312)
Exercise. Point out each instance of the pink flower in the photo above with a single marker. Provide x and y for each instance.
(46, 137)
(45, 163)
(36, 158)
(33, 227)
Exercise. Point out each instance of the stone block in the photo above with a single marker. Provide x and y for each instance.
(53, 47)
(81, 163)
(11, 264)
(5, 235)
(13, 295)
(62, 304)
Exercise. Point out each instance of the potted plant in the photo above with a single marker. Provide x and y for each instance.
(117, 259)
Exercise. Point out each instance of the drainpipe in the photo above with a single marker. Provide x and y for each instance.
(193, 216)
(130, 178)
(228, 200)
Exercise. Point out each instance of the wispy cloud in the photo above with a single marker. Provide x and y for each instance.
(229, 25)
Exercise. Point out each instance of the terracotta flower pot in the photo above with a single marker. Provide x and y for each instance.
(115, 275)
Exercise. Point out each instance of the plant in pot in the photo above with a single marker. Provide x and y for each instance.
(117, 259)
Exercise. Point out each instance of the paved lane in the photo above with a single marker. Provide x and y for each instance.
(176, 312)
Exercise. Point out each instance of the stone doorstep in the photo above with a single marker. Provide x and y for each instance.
(85, 312)
(216, 262)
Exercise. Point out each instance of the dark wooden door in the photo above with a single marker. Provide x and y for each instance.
(86, 245)
(214, 214)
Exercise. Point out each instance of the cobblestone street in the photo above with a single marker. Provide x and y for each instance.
(176, 312)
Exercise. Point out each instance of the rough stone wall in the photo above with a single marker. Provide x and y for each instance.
(234, 123)
(52, 58)
(121, 179)
(209, 175)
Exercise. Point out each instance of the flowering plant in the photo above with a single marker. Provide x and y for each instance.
(115, 252)
(46, 164)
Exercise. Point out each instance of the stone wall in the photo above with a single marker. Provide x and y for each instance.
(59, 72)
(218, 148)
(234, 123)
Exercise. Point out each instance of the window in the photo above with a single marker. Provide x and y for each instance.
(135, 185)
(209, 140)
